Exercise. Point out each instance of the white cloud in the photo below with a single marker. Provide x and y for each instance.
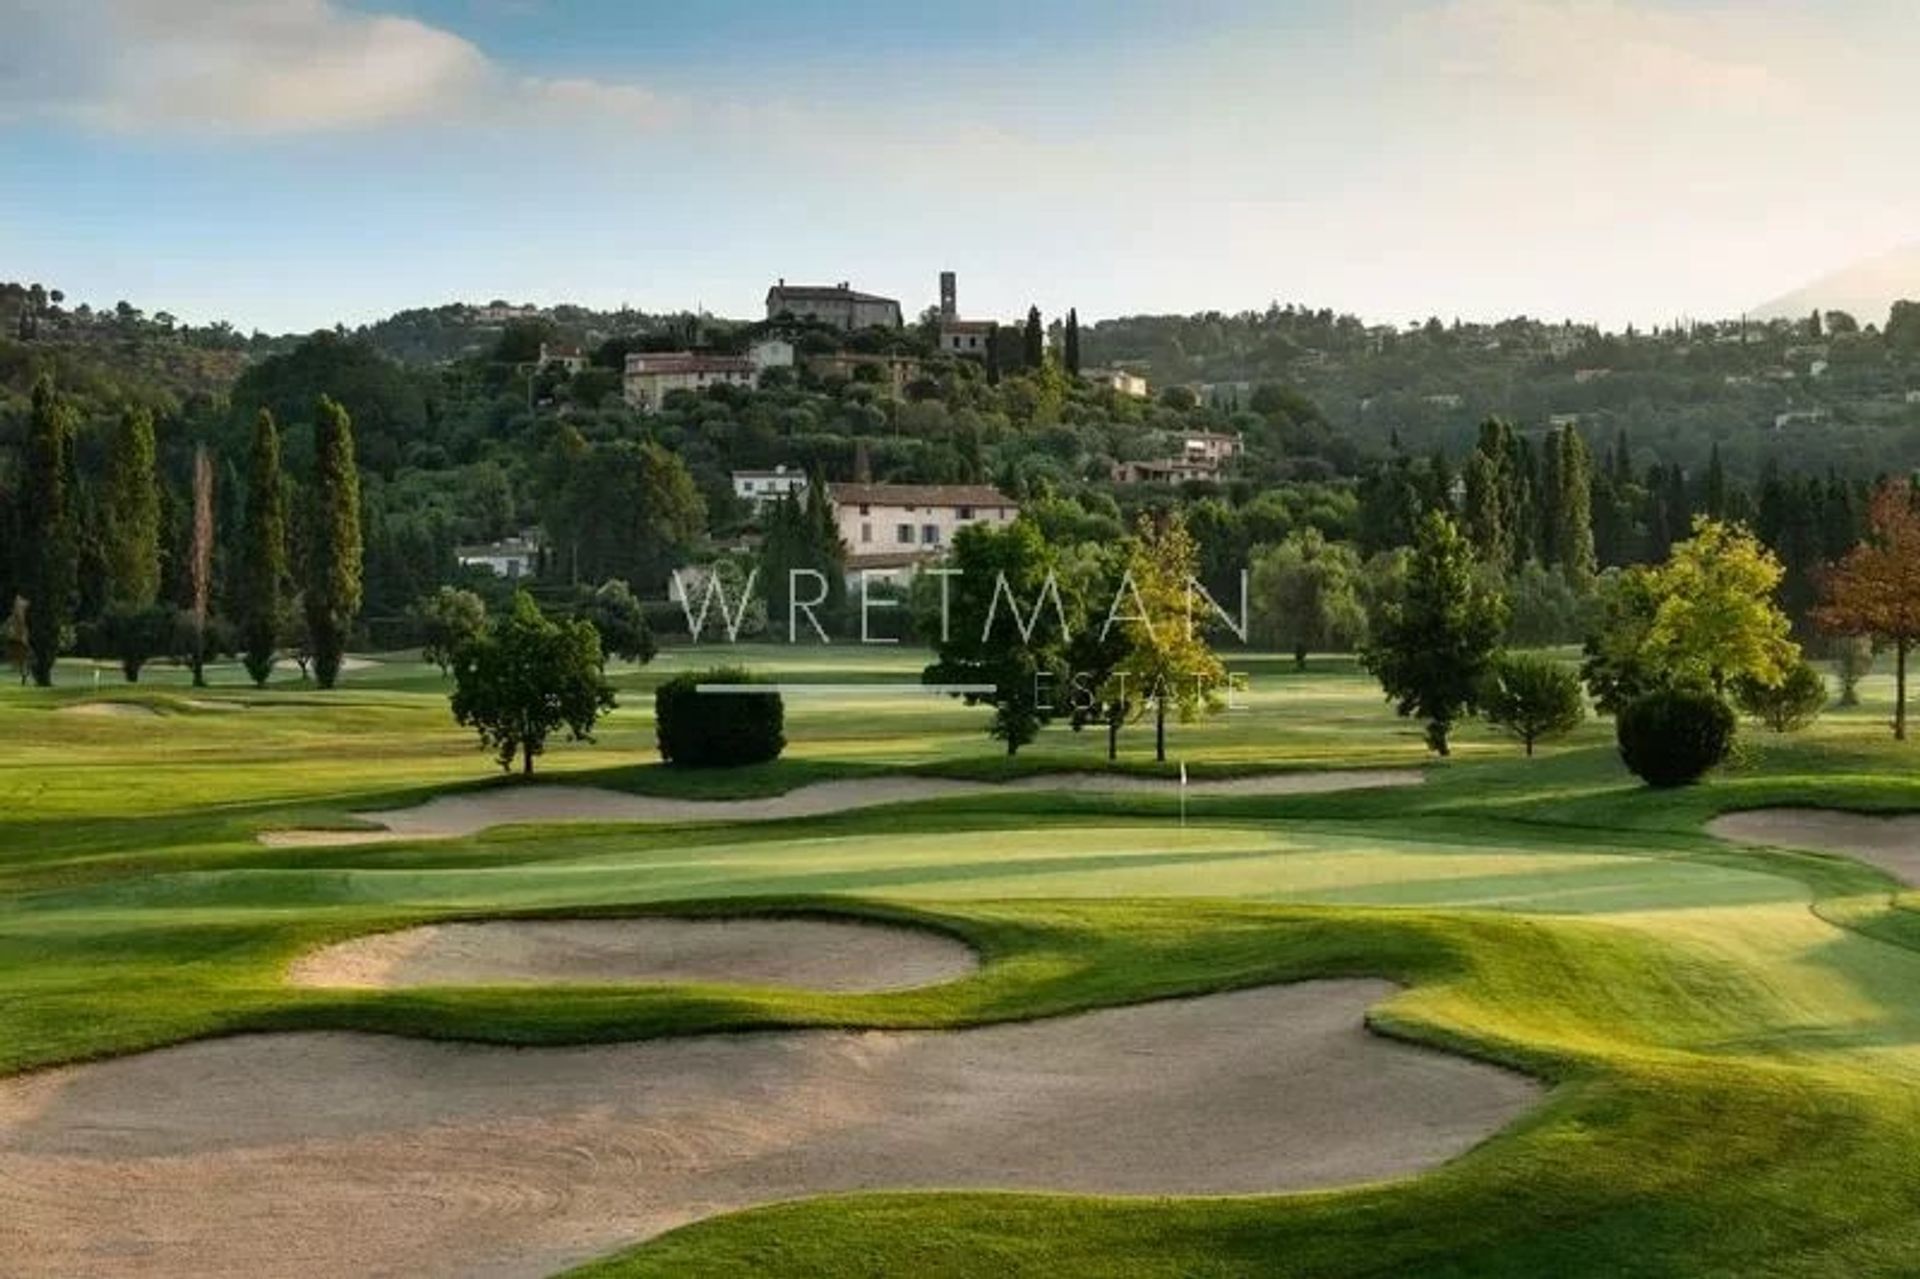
(269, 68)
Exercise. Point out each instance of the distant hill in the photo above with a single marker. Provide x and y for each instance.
(1866, 289)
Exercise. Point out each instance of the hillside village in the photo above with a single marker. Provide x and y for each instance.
(507, 442)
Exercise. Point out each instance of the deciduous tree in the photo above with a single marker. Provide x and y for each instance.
(1306, 595)
(451, 618)
(528, 677)
(1005, 627)
(1875, 590)
(1532, 698)
(1169, 665)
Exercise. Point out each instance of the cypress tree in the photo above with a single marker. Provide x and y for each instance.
(263, 552)
(1492, 495)
(1073, 342)
(51, 567)
(1034, 348)
(1713, 492)
(1552, 490)
(333, 582)
(133, 516)
(1573, 510)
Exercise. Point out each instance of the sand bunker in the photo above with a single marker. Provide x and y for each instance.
(352, 1154)
(109, 710)
(451, 816)
(818, 954)
(1891, 843)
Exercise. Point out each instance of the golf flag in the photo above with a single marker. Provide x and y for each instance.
(1183, 794)
(1183, 773)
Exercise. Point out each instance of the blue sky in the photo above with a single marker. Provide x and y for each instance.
(287, 163)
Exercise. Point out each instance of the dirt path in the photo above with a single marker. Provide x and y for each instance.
(818, 954)
(452, 816)
(340, 1154)
(1890, 842)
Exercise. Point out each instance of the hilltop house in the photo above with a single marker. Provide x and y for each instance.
(1120, 380)
(512, 558)
(892, 526)
(652, 375)
(838, 305)
(1202, 455)
(764, 488)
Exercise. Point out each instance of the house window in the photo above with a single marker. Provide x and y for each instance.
(866, 532)
(903, 534)
(930, 534)
(864, 510)
(966, 512)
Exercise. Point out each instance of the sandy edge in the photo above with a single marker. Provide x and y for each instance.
(840, 955)
(458, 815)
(1888, 841)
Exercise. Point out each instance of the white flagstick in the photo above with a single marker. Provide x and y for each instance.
(1183, 794)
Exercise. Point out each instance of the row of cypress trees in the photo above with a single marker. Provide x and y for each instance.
(265, 586)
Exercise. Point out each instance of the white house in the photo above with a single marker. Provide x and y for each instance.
(1213, 447)
(570, 358)
(512, 558)
(894, 522)
(771, 353)
(652, 376)
(763, 488)
(1120, 380)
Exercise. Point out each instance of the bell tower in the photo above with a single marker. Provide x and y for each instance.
(949, 297)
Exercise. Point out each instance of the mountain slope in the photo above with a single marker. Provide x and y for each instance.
(1866, 289)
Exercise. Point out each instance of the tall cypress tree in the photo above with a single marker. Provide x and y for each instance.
(50, 548)
(1713, 490)
(1573, 510)
(133, 516)
(1491, 495)
(1552, 490)
(263, 552)
(1073, 342)
(1034, 346)
(333, 579)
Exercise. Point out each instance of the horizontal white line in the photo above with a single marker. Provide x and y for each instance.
(857, 690)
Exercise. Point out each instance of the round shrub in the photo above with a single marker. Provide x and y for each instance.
(717, 730)
(1789, 706)
(1673, 736)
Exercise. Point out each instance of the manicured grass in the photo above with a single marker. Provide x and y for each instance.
(1735, 1032)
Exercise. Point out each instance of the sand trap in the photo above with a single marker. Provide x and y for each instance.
(323, 1154)
(452, 816)
(1890, 842)
(109, 710)
(818, 954)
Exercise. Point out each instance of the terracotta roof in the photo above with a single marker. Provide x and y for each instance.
(687, 362)
(968, 326)
(823, 293)
(918, 495)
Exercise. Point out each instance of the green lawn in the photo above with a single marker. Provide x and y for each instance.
(1736, 1031)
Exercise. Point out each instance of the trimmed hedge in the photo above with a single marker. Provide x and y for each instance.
(1673, 736)
(717, 730)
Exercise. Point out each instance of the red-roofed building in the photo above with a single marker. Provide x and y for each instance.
(652, 375)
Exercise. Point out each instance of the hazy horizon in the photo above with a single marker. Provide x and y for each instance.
(291, 165)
